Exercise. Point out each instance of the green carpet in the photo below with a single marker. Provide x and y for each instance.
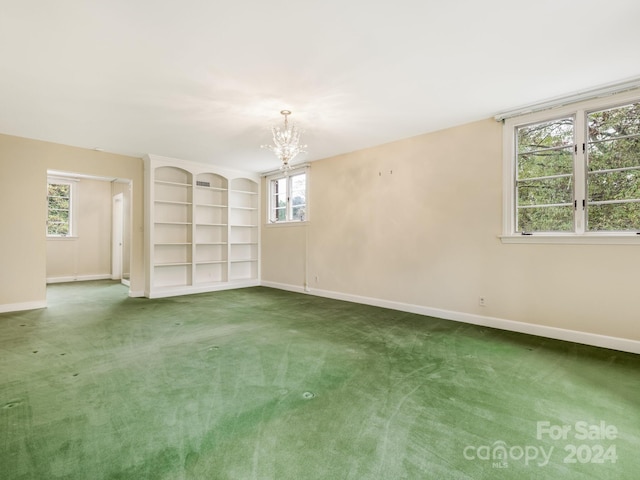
(263, 384)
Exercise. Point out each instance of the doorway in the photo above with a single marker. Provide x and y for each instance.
(100, 245)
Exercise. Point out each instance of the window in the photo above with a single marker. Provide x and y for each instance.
(613, 169)
(544, 176)
(59, 208)
(574, 172)
(288, 197)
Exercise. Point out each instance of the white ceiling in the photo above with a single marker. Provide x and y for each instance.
(204, 80)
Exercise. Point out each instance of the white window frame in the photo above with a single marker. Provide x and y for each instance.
(72, 205)
(579, 111)
(289, 220)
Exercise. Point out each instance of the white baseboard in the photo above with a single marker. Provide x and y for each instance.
(136, 294)
(78, 278)
(289, 288)
(16, 307)
(162, 292)
(596, 340)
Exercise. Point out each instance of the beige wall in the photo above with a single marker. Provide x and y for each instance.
(417, 222)
(283, 244)
(88, 253)
(23, 178)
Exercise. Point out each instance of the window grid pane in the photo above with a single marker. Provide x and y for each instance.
(545, 135)
(278, 200)
(614, 217)
(545, 191)
(298, 196)
(546, 219)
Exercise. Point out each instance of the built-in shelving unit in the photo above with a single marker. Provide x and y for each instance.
(203, 230)
(243, 233)
(211, 229)
(172, 227)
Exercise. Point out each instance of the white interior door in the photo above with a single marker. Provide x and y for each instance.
(117, 236)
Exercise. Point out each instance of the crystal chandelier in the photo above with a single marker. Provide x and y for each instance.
(286, 142)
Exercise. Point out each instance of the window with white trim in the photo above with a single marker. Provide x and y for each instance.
(60, 198)
(574, 170)
(288, 197)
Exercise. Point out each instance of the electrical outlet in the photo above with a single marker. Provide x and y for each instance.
(482, 301)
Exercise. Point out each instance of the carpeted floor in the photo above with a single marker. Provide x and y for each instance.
(264, 384)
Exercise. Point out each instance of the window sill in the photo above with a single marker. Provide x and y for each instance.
(62, 238)
(586, 239)
(287, 224)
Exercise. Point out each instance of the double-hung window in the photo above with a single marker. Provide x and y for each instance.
(60, 221)
(574, 171)
(288, 196)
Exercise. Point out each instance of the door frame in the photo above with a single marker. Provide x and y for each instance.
(117, 236)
